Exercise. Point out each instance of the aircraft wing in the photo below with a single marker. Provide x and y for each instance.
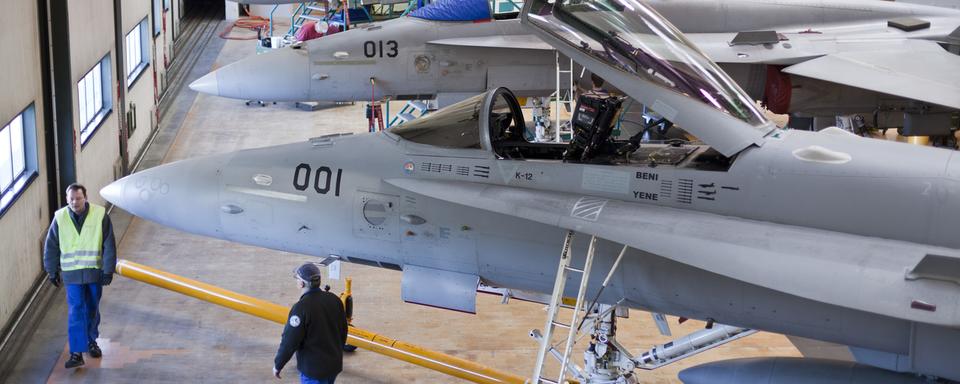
(497, 41)
(852, 271)
(929, 75)
(911, 68)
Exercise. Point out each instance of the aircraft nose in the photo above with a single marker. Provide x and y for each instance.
(182, 195)
(206, 84)
(280, 75)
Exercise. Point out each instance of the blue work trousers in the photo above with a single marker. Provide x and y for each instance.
(304, 379)
(83, 315)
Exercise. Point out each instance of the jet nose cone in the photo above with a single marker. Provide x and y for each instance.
(112, 192)
(280, 75)
(182, 195)
(207, 84)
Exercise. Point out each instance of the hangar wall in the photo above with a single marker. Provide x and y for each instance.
(89, 43)
(176, 16)
(25, 215)
(165, 42)
(140, 95)
(24, 221)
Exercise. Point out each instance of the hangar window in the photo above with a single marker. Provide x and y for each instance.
(451, 127)
(135, 50)
(157, 17)
(18, 163)
(94, 98)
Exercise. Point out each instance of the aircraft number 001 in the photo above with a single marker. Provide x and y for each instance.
(322, 179)
(372, 48)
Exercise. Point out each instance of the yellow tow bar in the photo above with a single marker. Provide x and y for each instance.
(370, 341)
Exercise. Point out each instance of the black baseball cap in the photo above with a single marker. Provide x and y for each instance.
(309, 272)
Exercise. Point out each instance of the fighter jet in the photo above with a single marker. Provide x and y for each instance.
(823, 235)
(810, 58)
(406, 58)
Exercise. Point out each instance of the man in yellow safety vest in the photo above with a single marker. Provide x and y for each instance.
(81, 252)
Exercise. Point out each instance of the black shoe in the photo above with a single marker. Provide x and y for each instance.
(76, 360)
(95, 351)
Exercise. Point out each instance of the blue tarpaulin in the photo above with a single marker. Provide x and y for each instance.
(454, 10)
(357, 15)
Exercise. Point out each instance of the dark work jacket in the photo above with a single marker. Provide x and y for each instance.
(51, 251)
(316, 330)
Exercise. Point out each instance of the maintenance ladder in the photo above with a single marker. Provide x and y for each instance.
(556, 300)
(309, 11)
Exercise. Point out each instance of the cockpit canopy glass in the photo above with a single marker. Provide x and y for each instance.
(631, 37)
(455, 126)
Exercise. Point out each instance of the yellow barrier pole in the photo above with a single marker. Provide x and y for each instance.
(918, 140)
(453, 366)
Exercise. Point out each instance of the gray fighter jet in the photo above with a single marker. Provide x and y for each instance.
(823, 235)
(806, 57)
(407, 58)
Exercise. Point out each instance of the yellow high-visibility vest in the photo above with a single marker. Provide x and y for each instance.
(80, 250)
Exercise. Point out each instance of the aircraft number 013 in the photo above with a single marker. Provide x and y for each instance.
(322, 179)
(373, 48)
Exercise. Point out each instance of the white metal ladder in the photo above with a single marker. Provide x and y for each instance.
(563, 97)
(307, 11)
(556, 300)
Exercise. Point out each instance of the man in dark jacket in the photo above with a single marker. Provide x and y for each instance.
(80, 252)
(316, 330)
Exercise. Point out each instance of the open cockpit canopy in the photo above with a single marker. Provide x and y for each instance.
(642, 54)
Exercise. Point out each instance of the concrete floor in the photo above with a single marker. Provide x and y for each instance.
(154, 336)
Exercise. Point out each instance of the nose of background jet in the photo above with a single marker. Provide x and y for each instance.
(279, 75)
(182, 195)
(207, 84)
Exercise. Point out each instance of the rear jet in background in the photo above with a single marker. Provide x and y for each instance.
(885, 61)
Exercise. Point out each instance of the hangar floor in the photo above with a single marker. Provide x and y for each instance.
(152, 335)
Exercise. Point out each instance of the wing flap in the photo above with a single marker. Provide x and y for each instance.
(836, 268)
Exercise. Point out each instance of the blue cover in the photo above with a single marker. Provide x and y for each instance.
(357, 15)
(454, 10)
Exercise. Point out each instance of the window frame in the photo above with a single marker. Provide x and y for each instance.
(89, 127)
(28, 142)
(133, 74)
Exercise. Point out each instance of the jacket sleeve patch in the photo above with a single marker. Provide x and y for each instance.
(294, 321)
